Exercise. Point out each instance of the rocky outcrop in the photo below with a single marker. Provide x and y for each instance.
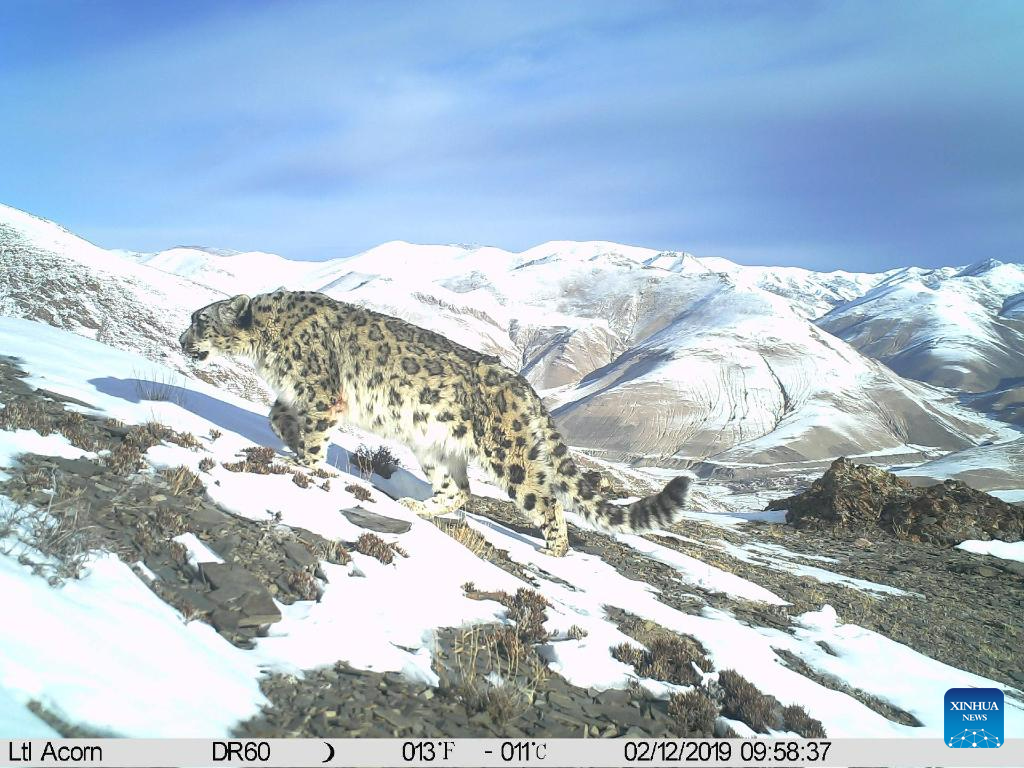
(856, 497)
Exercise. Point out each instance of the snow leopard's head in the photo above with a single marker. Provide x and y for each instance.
(221, 328)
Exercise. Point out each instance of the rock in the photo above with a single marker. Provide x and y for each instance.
(228, 576)
(238, 591)
(299, 553)
(847, 495)
(207, 518)
(374, 522)
(987, 571)
(80, 467)
(857, 497)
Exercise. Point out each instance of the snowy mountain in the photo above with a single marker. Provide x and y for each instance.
(49, 274)
(958, 328)
(642, 355)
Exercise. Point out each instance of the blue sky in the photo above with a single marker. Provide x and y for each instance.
(829, 135)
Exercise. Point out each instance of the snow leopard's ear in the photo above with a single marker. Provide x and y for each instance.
(242, 307)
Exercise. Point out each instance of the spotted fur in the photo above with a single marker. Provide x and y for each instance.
(329, 360)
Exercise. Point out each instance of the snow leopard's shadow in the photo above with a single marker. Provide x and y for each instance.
(251, 426)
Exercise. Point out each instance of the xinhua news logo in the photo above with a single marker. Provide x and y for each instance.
(974, 718)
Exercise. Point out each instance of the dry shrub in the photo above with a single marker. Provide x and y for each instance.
(206, 464)
(694, 714)
(126, 457)
(214, 434)
(374, 546)
(379, 460)
(742, 701)
(301, 479)
(668, 658)
(179, 553)
(527, 608)
(302, 584)
(482, 655)
(54, 542)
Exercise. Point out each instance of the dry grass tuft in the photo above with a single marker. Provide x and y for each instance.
(798, 721)
(259, 460)
(359, 491)
(463, 534)
(374, 546)
(694, 714)
(576, 632)
(206, 464)
(162, 388)
(332, 552)
(668, 658)
(30, 413)
(183, 481)
(126, 457)
(527, 608)
(301, 479)
(302, 583)
(494, 672)
(743, 701)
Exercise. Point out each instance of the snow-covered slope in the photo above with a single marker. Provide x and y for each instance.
(383, 617)
(49, 274)
(953, 328)
(988, 467)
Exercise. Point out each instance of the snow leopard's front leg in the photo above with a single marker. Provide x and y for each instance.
(285, 424)
(315, 427)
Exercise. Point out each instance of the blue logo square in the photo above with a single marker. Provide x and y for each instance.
(974, 718)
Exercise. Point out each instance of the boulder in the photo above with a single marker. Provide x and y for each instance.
(857, 498)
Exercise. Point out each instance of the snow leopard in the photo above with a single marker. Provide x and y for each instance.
(329, 360)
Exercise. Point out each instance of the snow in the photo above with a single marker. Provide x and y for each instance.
(116, 676)
(18, 722)
(1002, 549)
(106, 652)
(20, 441)
(195, 551)
(1010, 497)
(701, 574)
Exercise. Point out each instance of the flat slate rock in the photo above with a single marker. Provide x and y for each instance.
(374, 522)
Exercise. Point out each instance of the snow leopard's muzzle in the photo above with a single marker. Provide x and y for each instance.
(189, 348)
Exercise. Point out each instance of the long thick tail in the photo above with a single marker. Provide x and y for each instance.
(578, 494)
